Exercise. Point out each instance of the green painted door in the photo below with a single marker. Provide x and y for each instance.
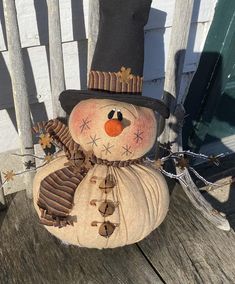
(210, 104)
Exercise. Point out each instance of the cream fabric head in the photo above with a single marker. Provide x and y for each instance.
(113, 130)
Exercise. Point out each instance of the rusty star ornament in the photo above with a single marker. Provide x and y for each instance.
(9, 175)
(125, 75)
(45, 140)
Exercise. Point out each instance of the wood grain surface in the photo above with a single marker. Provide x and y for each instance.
(188, 249)
(29, 254)
(184, 249)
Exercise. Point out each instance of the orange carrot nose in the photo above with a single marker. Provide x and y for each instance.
(113, 127)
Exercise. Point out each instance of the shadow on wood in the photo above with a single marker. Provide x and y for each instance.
(188, 249)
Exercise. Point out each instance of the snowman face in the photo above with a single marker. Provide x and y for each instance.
(113, 130)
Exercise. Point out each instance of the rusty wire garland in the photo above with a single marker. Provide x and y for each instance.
(46, 143)
(181, 158)
(182, 161)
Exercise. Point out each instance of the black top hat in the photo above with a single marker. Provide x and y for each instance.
(117, 66)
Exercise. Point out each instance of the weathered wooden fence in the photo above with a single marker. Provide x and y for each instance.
(17, 73)
(57, 78)
(175, 63)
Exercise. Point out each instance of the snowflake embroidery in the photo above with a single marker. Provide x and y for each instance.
(138, 136)
(85, 124)
(94, 140)
(127, 151)
(107, 148)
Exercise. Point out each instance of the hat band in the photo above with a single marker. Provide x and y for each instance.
(120, 82)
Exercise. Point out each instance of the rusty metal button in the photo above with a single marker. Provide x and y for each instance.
(107, 184)
(107, 208)
(106, 229)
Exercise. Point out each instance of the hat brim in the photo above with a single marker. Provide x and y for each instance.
(70, 98)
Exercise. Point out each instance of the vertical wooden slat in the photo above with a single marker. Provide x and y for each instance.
(173, 126)
(56, 56)
(19, 87)
(93, 29)
(175, 60)
(178, 45)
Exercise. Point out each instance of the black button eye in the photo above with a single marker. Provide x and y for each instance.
(119, 115)
(111, 114)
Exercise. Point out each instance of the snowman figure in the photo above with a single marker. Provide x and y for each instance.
(100, 192)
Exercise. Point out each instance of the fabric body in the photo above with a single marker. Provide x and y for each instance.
(140, 198)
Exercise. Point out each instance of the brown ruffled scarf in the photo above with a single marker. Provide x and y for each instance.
(56, 194)
(118, 164)
(57, 190)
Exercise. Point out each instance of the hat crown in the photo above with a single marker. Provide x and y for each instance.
(117, 65)
(126, 10)
(121, 36)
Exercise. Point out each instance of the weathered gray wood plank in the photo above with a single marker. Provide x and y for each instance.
(175, 62)
(19, 87)
(56, 57)
(187, 248)
(93, 28)
(222, 198)
(29, 254)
